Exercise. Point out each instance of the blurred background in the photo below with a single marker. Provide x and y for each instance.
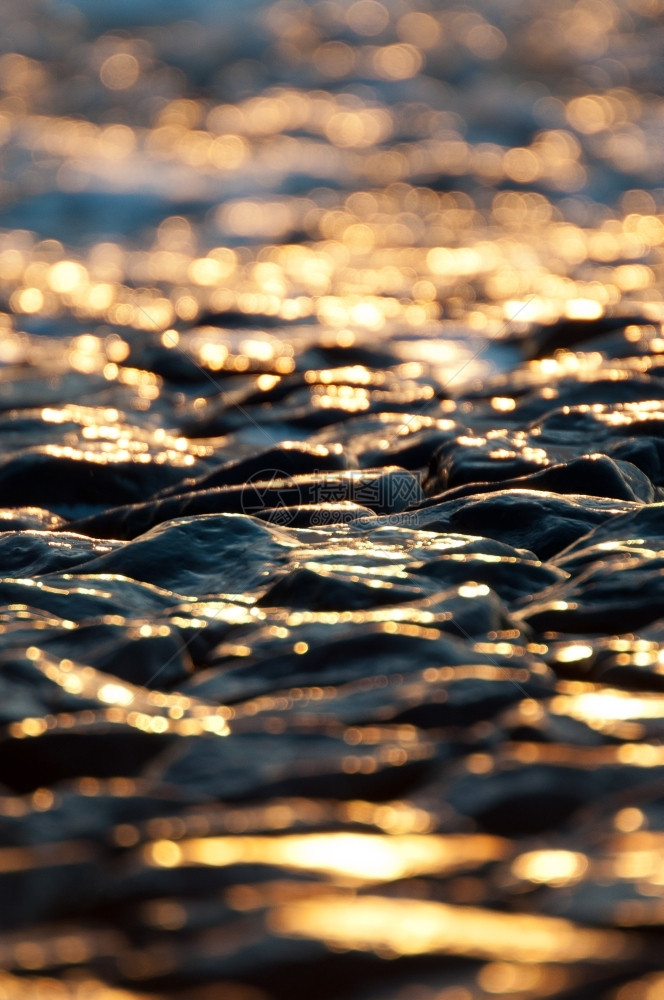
(358, 163)
(375, 170)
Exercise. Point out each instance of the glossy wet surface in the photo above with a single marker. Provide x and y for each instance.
(331, 502)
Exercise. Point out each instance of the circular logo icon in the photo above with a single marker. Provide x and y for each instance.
(272, 495)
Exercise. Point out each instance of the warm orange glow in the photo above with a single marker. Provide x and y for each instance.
(349, 857)
(413, 927)
(338, 236)
(551, 867)
(609, 705)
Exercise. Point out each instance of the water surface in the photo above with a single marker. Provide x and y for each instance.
(331, 500)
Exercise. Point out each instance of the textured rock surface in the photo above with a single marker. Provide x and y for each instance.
(331, 510)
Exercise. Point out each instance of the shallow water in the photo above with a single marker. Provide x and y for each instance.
(331, 500)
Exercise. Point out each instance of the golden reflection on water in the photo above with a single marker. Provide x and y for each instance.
(26, 987)
(330, 279)
(551, 867)
(129, 704)
(392, 249)
(411, 222)
(412, 926)
(597, 706)
(347, 858)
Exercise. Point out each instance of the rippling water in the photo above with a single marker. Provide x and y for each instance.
(331, 494)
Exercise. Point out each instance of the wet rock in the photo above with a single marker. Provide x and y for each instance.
(30, 519)
(542, 523)
(75, 483)
(30, 553)
(31, 764)
(587, 389)
(383, 490)
(623, 431)
(632, 529)
(544, 339)
(591, 475)
(336, 653)
(510, 579)
(122, 650)
(329, 591)
(219, 553)
(291, 458)
(72, 597)
(622, 595)
(530, 799)
(467, 460)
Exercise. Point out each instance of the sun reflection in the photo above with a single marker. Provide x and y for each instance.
(551, 867)
(347, 857)
(607, 705)
(411, 927)
(350, 178)
(32, 987)
(129, 705)
(178, 278)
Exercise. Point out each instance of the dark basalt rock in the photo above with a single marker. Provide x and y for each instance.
(519, 801)
(305, 402)
(560, 436)
(471, 612)
(646, 453)
(31, 764)
(540, 522)
(184, 555)
(629, 590)
(293, 458)
(78, 598)
(154, 661)
(360, 656)
(584, 391)
(329, 591)
(464, 461)
(646, 523)
(370, 642)
(29, 553)
(412, 453)
(544, 339)
(384, 491)
(30, 519)
(73, 482)
(496, 573)
(591, 475)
